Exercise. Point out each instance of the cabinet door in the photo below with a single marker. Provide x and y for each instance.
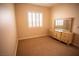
(58, 36)
(64, 37)
(67, 37)
(52, 34)
(55, 34)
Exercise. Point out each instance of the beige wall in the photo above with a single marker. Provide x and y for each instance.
(22, 21)
(7, 30)
(66, 11)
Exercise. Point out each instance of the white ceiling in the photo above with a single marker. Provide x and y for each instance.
(44, 4)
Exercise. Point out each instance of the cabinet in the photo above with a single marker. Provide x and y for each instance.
(63, 36)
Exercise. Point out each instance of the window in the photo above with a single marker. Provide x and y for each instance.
(35, 19)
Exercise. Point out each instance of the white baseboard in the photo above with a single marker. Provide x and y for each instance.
(36, 36)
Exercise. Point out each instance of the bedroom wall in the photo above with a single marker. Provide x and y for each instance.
(66, 11)
(8, 42)
(24, 31)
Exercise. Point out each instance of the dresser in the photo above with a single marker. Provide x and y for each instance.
(62, 35)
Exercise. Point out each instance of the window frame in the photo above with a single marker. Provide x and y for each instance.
(35, 20)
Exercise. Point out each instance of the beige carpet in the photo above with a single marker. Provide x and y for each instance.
(45, 46)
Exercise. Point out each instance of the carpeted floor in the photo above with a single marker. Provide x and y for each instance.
(45, 46)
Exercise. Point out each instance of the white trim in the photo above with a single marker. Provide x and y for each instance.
(32, 37)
